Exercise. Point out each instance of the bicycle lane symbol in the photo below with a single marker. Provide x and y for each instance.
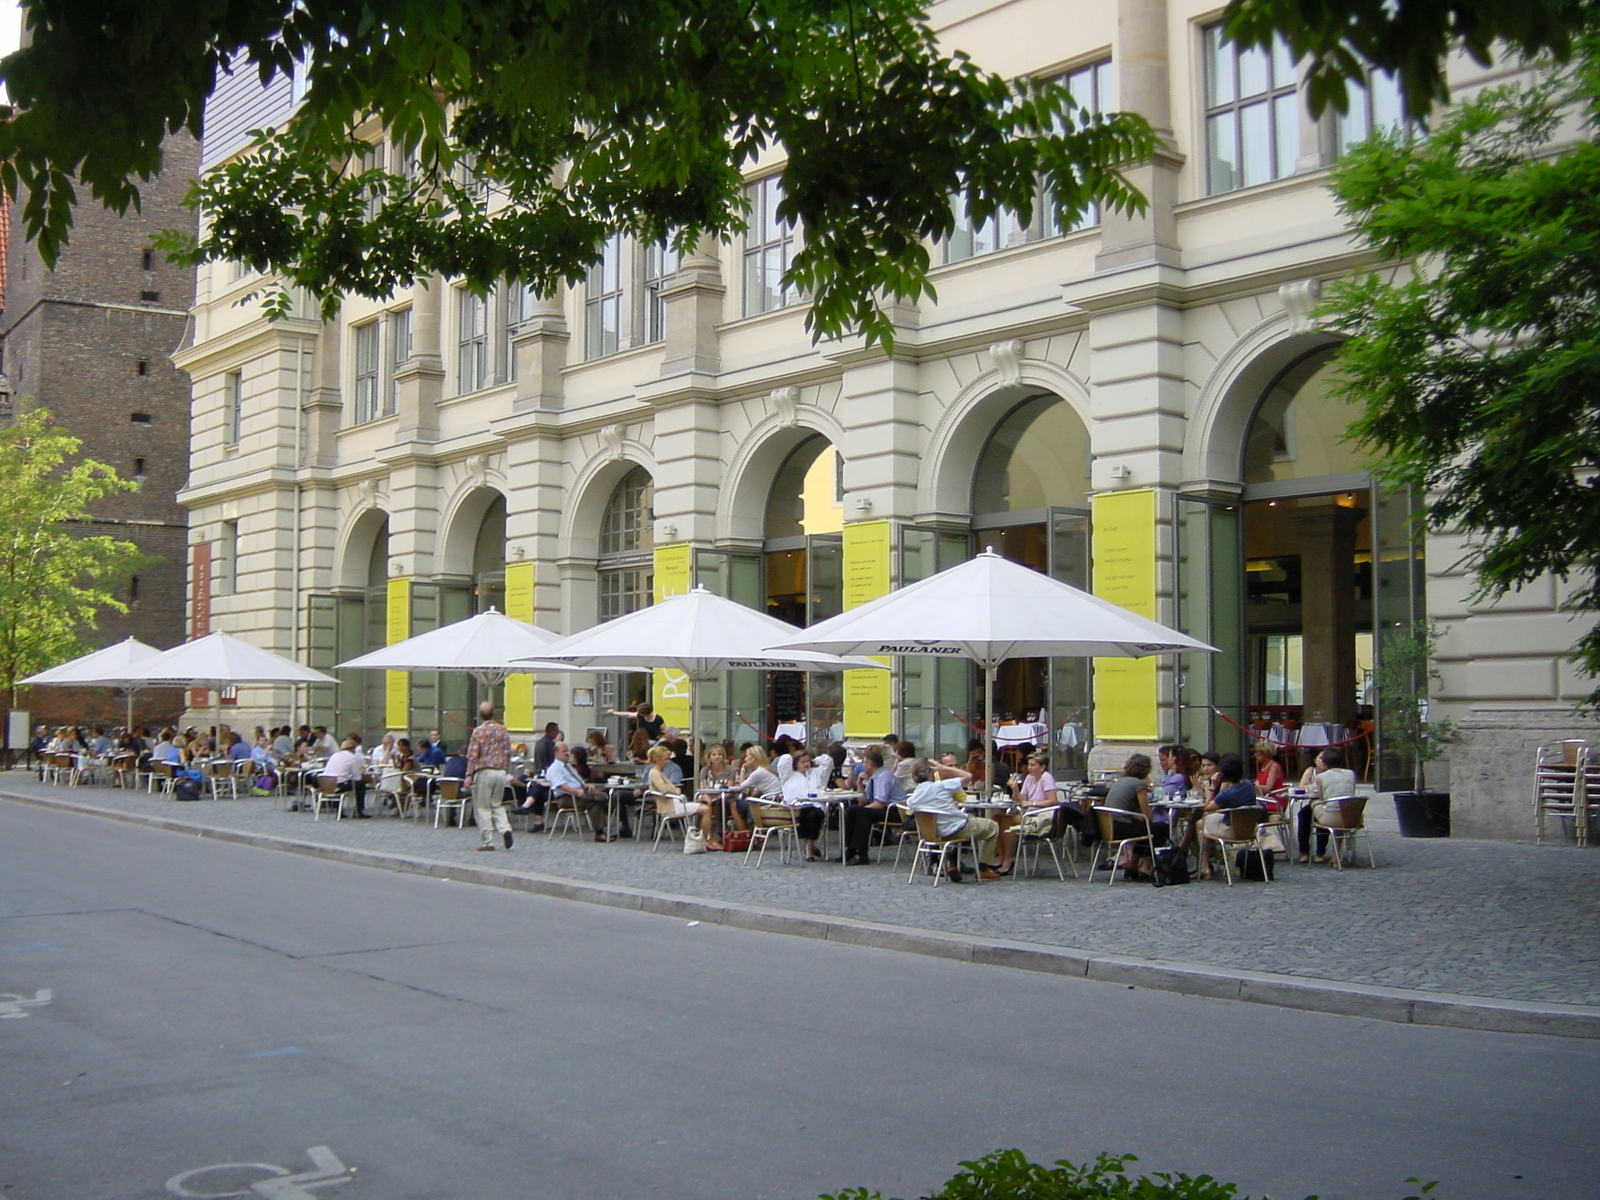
(280, 1183)
(13, 1005)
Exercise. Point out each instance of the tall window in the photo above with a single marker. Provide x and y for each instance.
(1375, 105)
(511, 311)
(1252, 118)
(626, 542)
(971, 238)
(602, 304)
(369, 158)
(768, 249)
(472, 341)
(659, 262)
(399, 354)
(366, 360)
(1091, 90)
(232, 421)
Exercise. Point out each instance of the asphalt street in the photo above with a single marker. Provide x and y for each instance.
(174, 1003)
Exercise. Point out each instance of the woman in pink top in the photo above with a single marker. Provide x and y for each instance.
(1035, 791)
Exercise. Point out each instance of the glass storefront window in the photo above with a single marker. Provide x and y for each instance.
(1299, 429)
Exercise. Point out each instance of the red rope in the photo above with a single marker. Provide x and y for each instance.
(1262, 737)
(977, 729)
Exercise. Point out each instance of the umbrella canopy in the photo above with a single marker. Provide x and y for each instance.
(103, 668)
(483, 646)
(990, 609)
(698, 634)
(219, 661)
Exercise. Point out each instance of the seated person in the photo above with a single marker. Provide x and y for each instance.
(263, 766)
(809, 816)
(1036, 793)
(936, 786)
(719, 774)
(432, 754)
(879, 788)
(565, 781)
(345, 767)
(673, 804)
(1234, 791)
(1329, 781)
(1269, 775)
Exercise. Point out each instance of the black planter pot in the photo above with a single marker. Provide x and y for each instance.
(1423, 814)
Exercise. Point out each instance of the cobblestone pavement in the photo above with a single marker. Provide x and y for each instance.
(1510, 921)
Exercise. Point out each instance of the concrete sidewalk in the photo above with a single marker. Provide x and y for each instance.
(1485, 934)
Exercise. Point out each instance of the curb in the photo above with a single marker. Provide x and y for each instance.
(1398, 1005)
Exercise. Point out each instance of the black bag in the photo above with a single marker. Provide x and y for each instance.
(1247, 865)
(186, 789)
(1171, 867)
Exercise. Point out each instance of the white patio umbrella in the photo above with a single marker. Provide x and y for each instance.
(484, 646)
(219, 661)
(107, 667)
(698, 634)
(989, 609)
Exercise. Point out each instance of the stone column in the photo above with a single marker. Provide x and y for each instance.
(693, 299)
(419, 384)
(540, 345)
(1327, 535)
(1144, 85)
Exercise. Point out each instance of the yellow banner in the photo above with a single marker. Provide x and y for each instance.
(868, 695)
(397, 684)
(1124, 541)
(519, 605)
(669, 691)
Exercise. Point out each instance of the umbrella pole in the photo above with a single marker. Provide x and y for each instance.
(990, 747)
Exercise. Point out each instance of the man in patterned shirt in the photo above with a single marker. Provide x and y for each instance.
(488, 761)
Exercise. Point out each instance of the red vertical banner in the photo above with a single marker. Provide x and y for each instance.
(200, 697)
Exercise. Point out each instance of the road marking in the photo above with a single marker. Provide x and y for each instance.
(35, 946)
(327, 1171)
(13, 1005)
(275, 1053)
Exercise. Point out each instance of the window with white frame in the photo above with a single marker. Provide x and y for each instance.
(369, 158)
(472, 341)
(366, 356)
(1375, 104)
(602, 302)
(769, 247)
(971, 238)
(658, 263)
(1252, 113)
(399, 354)
(232, 420)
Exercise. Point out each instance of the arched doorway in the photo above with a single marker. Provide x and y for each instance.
(1310, 546)
(1030, 502)
(803, 560)
(626, 578)
(348, 621)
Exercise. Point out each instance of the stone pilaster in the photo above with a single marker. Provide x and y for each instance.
(540, 345)
(419, 384)
(693, 299)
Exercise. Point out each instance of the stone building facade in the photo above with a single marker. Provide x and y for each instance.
(93, 341)
(1137, 405)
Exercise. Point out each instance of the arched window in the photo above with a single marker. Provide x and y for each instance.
(1038, 457)
(489, 558)
(626, 542)
(1298, 431)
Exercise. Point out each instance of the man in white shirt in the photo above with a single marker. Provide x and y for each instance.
(323, 743)
(345, 766)
(936, 789)
(564, 781)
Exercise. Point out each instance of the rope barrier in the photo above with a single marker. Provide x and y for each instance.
(1259, 736)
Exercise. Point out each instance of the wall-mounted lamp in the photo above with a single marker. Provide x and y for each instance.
(862, 504)
(668, 531)
(396, 568)
(518, 553)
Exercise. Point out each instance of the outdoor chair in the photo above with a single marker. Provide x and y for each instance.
(1345, 817)
(327, 793)
(1559, 786)
(447, 794)
(1243, 830)
(939, 851)
(162, 775)
(1054, 840)
(666, 814)
(221, 776)
(562, 808)
(125, 769)
(771, 821)
(1105, 819)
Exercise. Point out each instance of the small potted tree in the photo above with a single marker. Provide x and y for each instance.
(1405, 673)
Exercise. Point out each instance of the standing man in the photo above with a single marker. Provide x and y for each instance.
(488, 761)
